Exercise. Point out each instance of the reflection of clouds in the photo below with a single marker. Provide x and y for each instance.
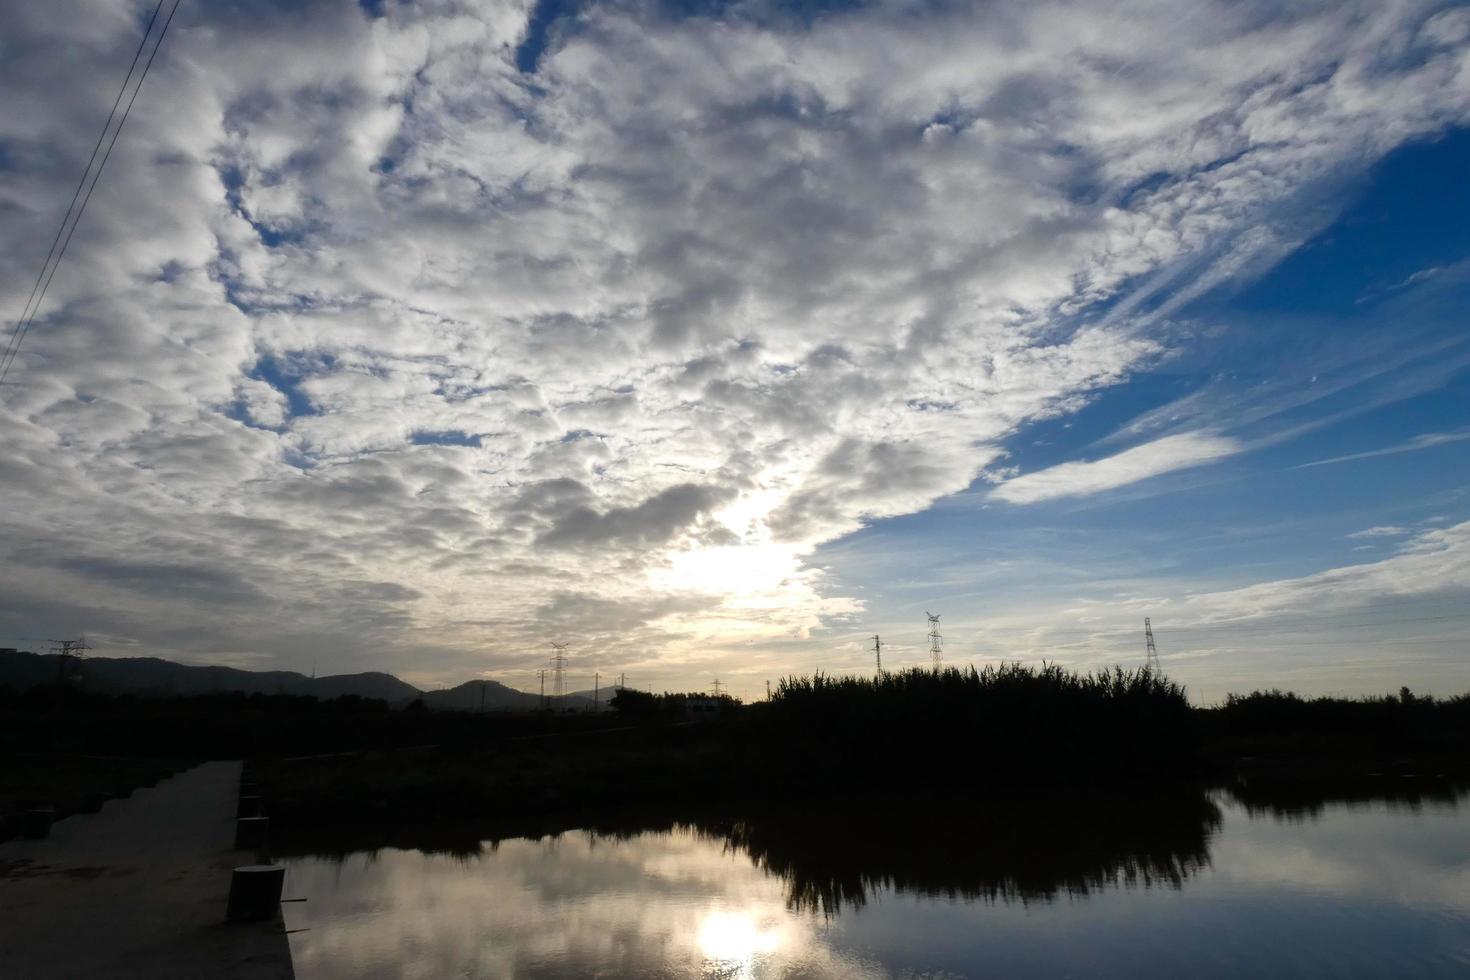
(1358, 851)
(658, 905)
(1368, 888)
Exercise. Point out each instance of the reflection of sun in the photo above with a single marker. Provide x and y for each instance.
(735, 940)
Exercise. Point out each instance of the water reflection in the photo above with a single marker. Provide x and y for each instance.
(1015, 851)
(1293, 797)
(834, 855)
(1197, 883)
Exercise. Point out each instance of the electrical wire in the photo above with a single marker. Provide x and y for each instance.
(43, 281)
(76, 194)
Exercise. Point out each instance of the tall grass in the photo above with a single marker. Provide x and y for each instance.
(1010, 720)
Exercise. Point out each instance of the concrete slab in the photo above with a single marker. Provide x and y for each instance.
(138, 890)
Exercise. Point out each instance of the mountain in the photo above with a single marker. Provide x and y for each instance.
(151, 675)
(372, 684)
(477, 695)
(495, 696)
(601, 696)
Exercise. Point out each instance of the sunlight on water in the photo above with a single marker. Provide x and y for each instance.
(1224, 889)
(734, 940)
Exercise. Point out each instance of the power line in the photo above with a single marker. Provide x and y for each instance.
(1229, 627)
(76, 194)
(43, 280)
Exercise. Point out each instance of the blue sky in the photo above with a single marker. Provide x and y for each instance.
(712, 339)
(1389, 450)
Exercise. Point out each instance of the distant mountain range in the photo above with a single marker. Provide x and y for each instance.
(495, 696)
(153, 676)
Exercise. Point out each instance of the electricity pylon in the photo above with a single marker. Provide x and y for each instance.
(1150, 652)
(936, 640)
(68, 649)
(558, 665)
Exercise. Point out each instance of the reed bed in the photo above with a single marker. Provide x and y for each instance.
(1011, 720)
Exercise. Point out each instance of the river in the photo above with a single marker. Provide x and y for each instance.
(1371, 880)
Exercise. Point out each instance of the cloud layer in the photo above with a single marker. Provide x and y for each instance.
(1130, 466)
(376, 349)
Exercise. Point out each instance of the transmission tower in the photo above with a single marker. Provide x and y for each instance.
(878, 653)
(68, 650)
(717, 687)
(541, 675)
(936, 640)
(558, 665)
(1150, 652)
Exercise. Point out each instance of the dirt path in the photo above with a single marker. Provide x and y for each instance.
(138, 890)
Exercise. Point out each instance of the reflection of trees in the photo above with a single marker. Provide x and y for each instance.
(1024, 849)
(1298, 798)
(834, 854)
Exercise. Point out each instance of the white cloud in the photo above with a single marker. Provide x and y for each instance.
(1081, 479)
(1427, 440)
(1380, 531)
(1432, 562)
(381, 342)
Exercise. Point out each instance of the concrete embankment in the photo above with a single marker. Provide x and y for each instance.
(138, 890)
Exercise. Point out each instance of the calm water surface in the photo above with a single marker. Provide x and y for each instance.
(1217, 884)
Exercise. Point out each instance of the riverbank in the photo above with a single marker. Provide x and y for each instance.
(138, 889)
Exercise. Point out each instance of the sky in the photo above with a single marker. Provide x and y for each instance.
(714, 339)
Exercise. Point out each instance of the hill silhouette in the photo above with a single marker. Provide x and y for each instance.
(154, 676)
(483, 695)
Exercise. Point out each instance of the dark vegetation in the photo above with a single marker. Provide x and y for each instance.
(1011, 724)
(60, 746)
(232, 726)
(962, 734)
(1279, 722)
